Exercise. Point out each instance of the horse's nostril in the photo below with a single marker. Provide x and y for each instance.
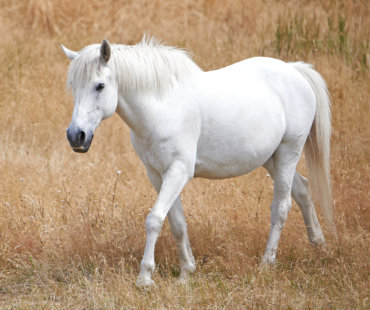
(82, 137)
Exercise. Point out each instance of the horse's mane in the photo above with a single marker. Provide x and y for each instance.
(148, 66)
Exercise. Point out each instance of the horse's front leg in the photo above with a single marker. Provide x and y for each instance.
(176, 218)
(173, 181)
(177, 221)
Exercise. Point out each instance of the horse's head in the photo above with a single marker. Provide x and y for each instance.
(95, 93)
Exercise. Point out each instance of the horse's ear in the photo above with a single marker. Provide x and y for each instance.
(105, 50)
(70, 54)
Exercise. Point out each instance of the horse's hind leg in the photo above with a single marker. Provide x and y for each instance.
(285, 161)
(301, 195)
(177, 221)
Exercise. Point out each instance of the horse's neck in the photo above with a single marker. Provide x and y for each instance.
(136, 111)
(140, 110)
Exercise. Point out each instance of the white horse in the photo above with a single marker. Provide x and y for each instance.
(187, 123)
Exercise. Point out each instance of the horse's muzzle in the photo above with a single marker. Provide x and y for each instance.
(79, 141)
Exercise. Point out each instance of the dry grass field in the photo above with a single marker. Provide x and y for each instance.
(72, 230)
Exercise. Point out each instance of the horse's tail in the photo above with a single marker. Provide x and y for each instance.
(317, 147)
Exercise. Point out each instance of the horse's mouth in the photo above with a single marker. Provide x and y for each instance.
(81, 150)
(84, 148)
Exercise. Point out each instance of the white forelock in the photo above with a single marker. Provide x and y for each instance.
(148, 66)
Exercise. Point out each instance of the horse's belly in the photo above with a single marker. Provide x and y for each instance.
(239, 147)
(218, 171)
(232, 161)
(242, 131)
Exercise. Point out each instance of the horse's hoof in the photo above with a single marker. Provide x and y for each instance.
(184, 278)
(319, 243)
(322, 247)
(144, 282)
(267, 262)
(186, 270)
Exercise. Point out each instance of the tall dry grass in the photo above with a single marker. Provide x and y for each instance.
(66, 241)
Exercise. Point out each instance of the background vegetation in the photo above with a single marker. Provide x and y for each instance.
(72, 230)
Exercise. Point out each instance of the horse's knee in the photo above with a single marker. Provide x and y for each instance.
(153, 223)
(177, 224)
(178, 231)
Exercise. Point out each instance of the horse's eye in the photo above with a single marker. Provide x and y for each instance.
(100, 87)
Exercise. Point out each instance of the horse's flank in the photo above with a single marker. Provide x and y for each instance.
(148, 67)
